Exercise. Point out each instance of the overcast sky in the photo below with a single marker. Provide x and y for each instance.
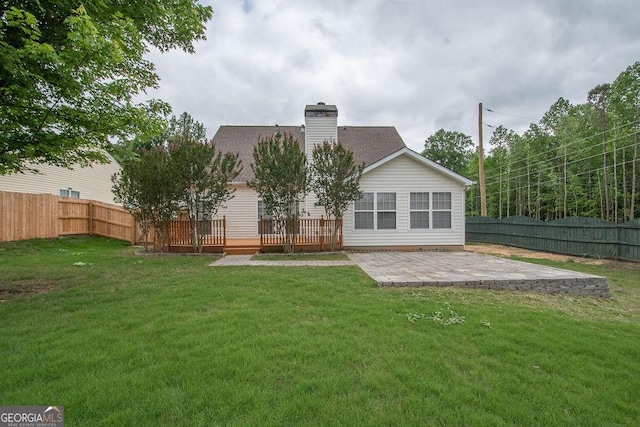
(416, 65)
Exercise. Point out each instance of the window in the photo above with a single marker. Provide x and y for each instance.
(375, 211)
(441, 210)
(363, 212)
(262, 213)
(419, 211)
(68, 192)
(386, 206)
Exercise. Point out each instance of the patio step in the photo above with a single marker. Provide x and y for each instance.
(241, 250)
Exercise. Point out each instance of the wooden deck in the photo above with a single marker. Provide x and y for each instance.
(312, 235)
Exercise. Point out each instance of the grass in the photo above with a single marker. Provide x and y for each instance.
(320, 256)
(128, 340)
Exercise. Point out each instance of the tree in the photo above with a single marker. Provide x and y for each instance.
(280, 179)
(147, 187)
(599, 97)
(203, 174)
(625, 101)
(70, 73)
(334, 178)
(450, 149)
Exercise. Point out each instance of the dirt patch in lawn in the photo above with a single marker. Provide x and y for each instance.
(25, 288)
(508, 251)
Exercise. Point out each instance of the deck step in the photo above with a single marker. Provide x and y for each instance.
(241, 250)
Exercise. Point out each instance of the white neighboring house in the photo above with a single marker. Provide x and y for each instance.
(91, 182)
(409, 201)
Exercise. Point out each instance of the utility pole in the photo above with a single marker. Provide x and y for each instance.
(483, 189)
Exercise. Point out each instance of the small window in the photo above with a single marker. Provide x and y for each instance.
(363, 210)
(441, 210)
(69, 192)
(419, 210)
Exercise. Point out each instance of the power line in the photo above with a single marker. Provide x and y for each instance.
(535, 183)
(555, 149)
(510, 115)
(551, 167)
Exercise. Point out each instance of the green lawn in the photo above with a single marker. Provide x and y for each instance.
(145, 341)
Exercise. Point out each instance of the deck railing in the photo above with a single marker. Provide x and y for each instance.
(309, 233)
(180, 234)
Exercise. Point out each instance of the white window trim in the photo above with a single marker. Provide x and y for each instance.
(409, 211)
(431, 210)
(375, 212)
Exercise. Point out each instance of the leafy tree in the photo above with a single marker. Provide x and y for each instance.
(70, 73)
(334, 178)
(280, 179)
(147, 187)
(450, 149)
(203, 174)
(625, 102)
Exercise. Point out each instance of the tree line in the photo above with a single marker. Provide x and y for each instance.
(577, 160)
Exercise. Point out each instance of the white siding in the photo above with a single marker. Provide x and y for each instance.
(93, 182)
(317, 130)
(241, 213)
(402, 176)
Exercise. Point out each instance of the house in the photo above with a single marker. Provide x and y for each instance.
(409, 201)
(92, 182)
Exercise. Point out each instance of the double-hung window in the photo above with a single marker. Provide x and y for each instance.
(386, 211)
(263, 214)
(429, 210)
(375, 211)
(364, 212)
(419, 211)
(441, 210)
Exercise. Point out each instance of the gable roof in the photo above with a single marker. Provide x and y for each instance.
(423, 160)
(369, 144)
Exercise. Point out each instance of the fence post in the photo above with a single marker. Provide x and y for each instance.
(90, 208)
(321, 233)
(224, 232)
(260, 229)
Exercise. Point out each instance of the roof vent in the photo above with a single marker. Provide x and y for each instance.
(321, 103)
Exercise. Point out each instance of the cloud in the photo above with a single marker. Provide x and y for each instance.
(419, 66)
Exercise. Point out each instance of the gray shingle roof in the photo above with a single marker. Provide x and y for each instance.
(368, 143)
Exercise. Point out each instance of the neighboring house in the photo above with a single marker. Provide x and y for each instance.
(91, 182)
(409, 201)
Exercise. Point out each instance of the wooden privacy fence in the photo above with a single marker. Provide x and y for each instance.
(310, 234)
(578, 236)
(29, 216)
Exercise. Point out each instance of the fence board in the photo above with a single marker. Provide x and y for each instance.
(590, 237)
(28, 216)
